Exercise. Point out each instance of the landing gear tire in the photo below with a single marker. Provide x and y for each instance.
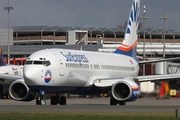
(54, 100)
(6, 95)
(62, 100)
(57, 99)
(40, 101)
(113, 101)
(122, 103)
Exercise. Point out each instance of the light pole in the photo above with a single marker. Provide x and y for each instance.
(144, 19)
(164, 46)
(164, 19)
(8, 8)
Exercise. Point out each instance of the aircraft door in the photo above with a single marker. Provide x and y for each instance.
(61, 66)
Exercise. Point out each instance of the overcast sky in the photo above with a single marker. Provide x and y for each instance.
(86, 13)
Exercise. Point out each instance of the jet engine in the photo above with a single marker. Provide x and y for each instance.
(19, 91)
(125, 90)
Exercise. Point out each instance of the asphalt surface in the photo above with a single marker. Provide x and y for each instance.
(93, 105)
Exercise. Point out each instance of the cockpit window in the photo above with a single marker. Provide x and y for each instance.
(28, 62)
(38, 62)
(47, 63)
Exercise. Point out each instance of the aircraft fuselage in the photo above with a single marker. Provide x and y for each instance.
(69, 70)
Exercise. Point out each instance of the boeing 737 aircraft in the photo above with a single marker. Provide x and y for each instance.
(6, 70)
(84, 72)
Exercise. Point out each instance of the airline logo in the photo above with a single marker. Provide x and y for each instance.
(133, 16)
(129, 45)
(48, 76)
(75, 57)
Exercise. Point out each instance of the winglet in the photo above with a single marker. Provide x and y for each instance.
(129, 45)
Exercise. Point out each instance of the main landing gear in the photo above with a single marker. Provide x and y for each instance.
(115, 102)
(58, 99)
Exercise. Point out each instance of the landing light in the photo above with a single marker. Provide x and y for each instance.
(97, 81)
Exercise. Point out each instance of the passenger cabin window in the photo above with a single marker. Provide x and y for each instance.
(37, 62)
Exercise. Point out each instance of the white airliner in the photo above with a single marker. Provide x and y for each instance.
(83, 72)
(7, 70)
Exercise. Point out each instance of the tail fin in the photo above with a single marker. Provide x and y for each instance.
(129, 45)
(2, 63)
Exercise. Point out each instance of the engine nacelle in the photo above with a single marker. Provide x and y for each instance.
(125, 90)
(19, 91)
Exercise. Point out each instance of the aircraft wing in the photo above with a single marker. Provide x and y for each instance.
(157, 77)
(160, 60)
(10, 76)
(110, 81)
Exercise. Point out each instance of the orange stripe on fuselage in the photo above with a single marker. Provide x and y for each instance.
(127, 48)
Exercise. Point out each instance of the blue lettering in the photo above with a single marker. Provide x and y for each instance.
(74, 57)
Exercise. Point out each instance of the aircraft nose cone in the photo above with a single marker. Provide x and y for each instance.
(31, 75)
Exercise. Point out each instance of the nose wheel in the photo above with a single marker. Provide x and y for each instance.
(40, 100)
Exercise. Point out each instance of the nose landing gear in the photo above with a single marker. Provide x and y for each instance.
(40, 100)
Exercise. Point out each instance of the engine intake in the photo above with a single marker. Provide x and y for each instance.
(125, 90)
(19, 91)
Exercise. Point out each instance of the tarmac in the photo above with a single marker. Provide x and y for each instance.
(93, 105)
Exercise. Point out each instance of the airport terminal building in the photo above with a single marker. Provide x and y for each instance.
(56, 35)
(24, 40)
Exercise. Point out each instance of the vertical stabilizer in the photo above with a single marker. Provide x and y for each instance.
(2, 63)
(129, 44)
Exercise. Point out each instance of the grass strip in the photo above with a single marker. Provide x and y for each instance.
(87, 116)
